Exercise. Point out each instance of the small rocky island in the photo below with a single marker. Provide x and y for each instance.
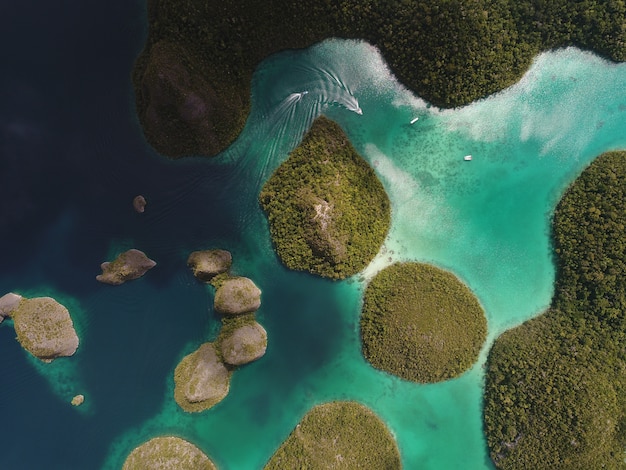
(328, 212)
(43, 326)
(340, 435)
(167, 453)
(202, 378)
(131, 264)
(206, 264)
(421, 323)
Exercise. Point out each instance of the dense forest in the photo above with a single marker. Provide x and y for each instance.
(192, 80)
(421, 323)
(555, 395)
(328, 212)
(343, 435)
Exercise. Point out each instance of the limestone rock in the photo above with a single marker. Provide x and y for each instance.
(245, 344)
(167, 453)
(131, 264)
(201, 380)
(237, 295)
(44, 328)
(206, 264)
(8, 303)
(139, 204)
(78, 400)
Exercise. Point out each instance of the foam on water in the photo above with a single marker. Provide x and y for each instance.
(486, 220)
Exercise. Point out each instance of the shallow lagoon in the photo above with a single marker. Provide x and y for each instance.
(486, 220)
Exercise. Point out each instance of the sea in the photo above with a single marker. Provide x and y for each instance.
(73, 157)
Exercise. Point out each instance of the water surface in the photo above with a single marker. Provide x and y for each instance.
(73, 157)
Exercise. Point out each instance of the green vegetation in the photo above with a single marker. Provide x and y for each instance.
(421, 323)
(167, 453)
(555, 395)
(201, 380)
(328, 212)
(192, 80)
(340, 435)
(44, 328)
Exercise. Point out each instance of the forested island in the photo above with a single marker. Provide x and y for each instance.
(192, 80)
(341, 435)
(555, 394)
(328, 212)
(421, 323)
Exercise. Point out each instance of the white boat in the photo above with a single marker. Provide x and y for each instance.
(414, 120)
(467, 158)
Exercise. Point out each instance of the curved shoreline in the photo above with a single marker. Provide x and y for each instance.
(192, 79)
(554, 392)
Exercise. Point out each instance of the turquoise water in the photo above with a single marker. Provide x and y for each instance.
(486, 220)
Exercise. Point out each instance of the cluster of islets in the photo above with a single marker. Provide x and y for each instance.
(202, 378)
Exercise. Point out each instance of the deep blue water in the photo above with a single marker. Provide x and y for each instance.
(72, 157)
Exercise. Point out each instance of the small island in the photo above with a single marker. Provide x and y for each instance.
(421, 323)
(131, 264)
(236, 295)
(43, 326)
(328, 212)
(206, 264)
(340, 435)
(167, 453)
(201, 380)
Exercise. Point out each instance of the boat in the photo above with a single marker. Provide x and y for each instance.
(414, 120)
(467, 158)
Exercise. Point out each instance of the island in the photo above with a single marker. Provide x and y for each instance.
(340, 435)
(555, 393)
(236, 295)
(192, 79)
(421, 323)
(202, 378)
(43, 326)
(328, 212)
(131, 264)
(206, 264)
(167, 453)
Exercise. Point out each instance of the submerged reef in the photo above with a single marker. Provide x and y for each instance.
(555, 393)
(192, 79)
(340, 435)
(167, 453)
(131, 264)
(328, 212)
(43, 326)
(421, 323)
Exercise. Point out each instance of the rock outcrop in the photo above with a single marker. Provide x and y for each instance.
(244, 344)
(139, 204)
(167, 453)
(131, 264)
(8, 303)
(201, 380)
(237, 295)
(207, 264)
(78, 400)
(44, 328)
